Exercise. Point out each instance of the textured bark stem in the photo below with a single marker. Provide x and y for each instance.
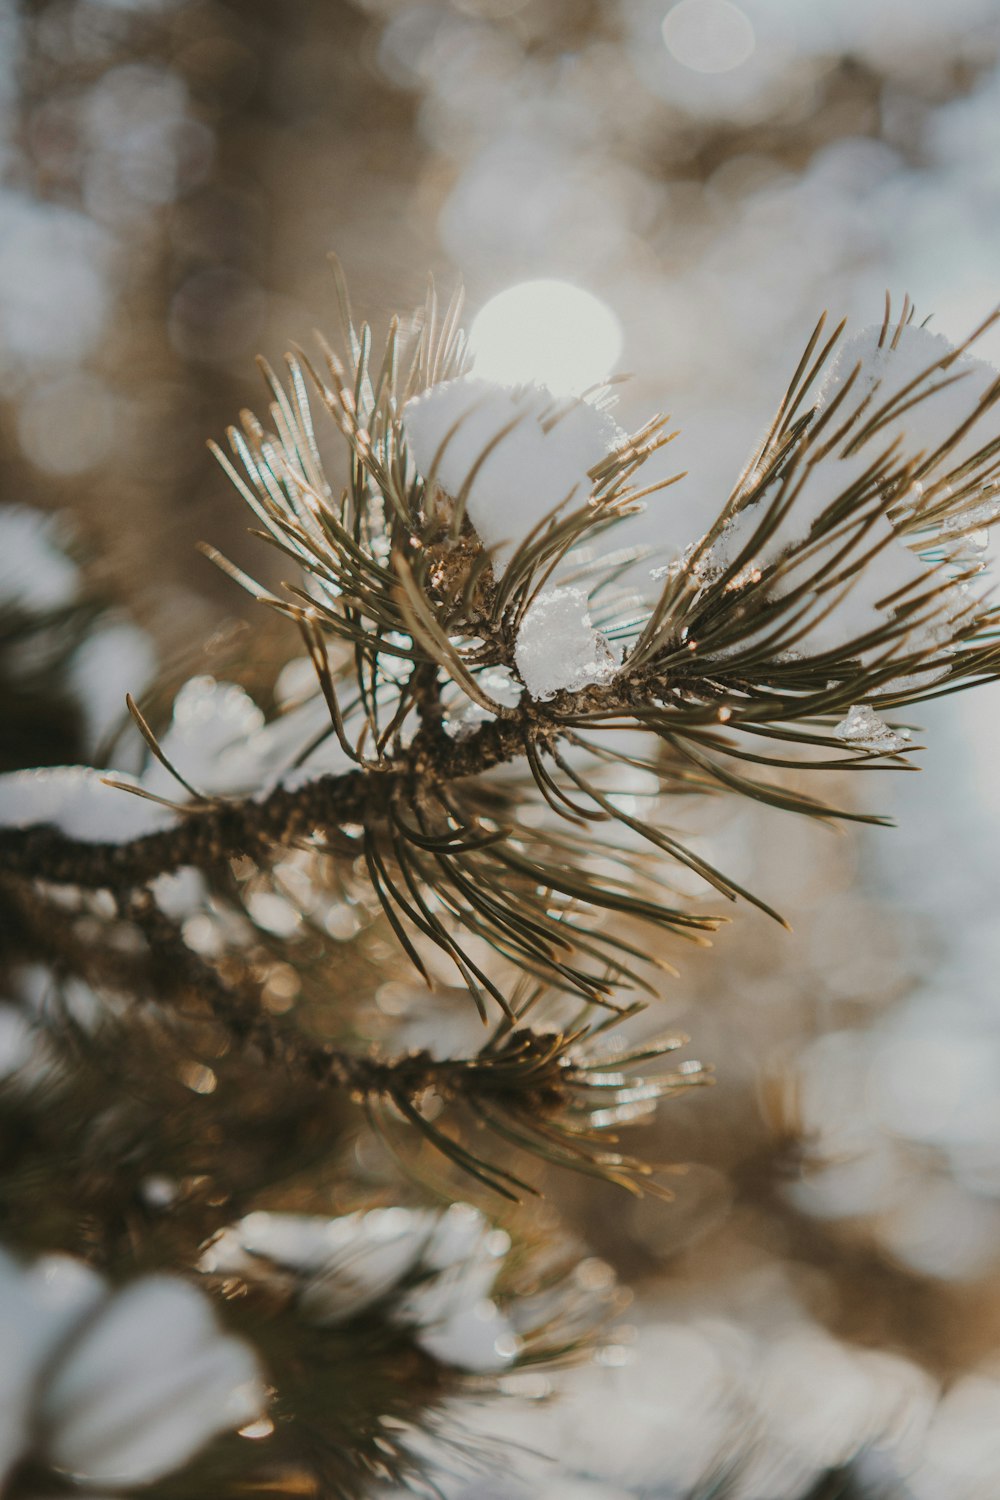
(232, 829)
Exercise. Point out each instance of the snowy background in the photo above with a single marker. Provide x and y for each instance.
(700, 180)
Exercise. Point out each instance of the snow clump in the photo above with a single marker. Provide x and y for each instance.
(435, 1270)
(867, 731)
(912, 357)
(517, 453)
(558, 649)
(886, 571)
(872, 570)
(114, 1387)
(35, 573)
(217, 739)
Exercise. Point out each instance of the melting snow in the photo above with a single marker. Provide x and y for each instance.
(558, 647)
(867, 731)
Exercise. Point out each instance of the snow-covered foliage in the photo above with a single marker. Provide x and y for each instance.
(114, 1388)
(890, 569)
(435, 1271)
(891, 369)
(78, 800)
(218, 741)
(820, 488)
(559, 649)
(518, 455)
(895, 396)
(532, 113)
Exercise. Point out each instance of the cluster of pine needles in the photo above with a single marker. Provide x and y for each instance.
(489, 838)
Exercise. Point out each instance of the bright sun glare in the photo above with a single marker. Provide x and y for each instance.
(547, 331)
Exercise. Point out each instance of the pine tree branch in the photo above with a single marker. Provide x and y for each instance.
(227, 830)
(550, 1092)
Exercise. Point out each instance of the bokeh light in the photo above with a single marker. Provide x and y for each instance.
(708, 36)
(546, 331)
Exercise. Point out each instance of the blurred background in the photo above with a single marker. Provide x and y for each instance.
(701, 179)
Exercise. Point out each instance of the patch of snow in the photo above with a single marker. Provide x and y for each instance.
(273, 913)
(345, 1263)
(280, 742)
(115, 659)
(472, 1336)
(146, 1385)
(816, 490)
(78, 802)
(121, 1387)
(180, 893)
(892, 576)
(985, 511)
(465, 717)
(295, 682)
(35, 573)
(500, 684)
(559, 649)
(884, 369)
(845, 611)
(539, 464)
(867, 731)
(457, 1320)
(210, 740)
(38, 1307)
(441, 1267)
(884, 373)
(217, 739)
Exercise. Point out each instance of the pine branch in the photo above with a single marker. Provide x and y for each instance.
(209, 835)
(547, 1090)
(410, 592)
(737, 649)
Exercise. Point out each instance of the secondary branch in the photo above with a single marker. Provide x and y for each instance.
(204, 836)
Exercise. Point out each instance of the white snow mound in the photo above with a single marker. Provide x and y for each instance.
(559, 649)
(540, 463)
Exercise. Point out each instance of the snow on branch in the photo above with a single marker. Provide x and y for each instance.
(474, 663)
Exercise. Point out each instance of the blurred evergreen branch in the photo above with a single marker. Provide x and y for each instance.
(405, 614)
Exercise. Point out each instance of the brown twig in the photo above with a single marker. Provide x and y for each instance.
(227, 830)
